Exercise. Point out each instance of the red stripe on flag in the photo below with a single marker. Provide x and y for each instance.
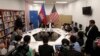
(54, 16)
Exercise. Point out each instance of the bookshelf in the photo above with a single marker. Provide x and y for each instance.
(1, 25)
(7, 19)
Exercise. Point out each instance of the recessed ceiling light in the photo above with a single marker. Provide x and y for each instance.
(61, 2)
(38, 1)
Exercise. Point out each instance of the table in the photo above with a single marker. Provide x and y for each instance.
(34, 44)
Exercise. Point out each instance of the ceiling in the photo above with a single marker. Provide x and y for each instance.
(53, 1)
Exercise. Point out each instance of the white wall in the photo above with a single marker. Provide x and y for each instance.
(12, 4)
(75, 9)
(48, 8)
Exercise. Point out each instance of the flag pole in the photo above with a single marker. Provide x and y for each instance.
(50, 24)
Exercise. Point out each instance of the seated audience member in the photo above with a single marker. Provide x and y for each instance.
(72, 24)
(75, 24)
(80, 38)
(67, 27)
(20, 31)
(31, 26)
(64, 48)
(15, 43)
(23, 49)
(14, 33)
(62, 27)
(97, 46)
(75, 31)
(27, 39)
(17, 31)
(75, 45)
(45, 49)
(80, 27)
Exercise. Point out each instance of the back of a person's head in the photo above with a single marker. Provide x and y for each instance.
(15, 28)
(18, 38)
(81, 34)
(75, 29)
(73, 38)
(80, 26)
(68, 24)
(65, 42)
(45, 39)
(75, 24)
(27, 39)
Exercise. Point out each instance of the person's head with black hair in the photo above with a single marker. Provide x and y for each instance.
(75, 29)
(65, 42)
(30, 23)
(92, 22)
(73, 39)
(16, 28)
(75, 24)
(18, 38)
(80, 34)
(80, 26)
(67, 27)
(45, 39)
(27, 39)
(72, 22)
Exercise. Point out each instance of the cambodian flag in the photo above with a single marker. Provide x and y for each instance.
(42, 15)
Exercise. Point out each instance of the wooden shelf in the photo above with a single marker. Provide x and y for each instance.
(7, 18)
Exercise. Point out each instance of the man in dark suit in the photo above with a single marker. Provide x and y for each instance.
(45, 49)
(91, 34)
(18, 22)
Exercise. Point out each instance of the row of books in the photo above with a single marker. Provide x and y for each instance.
(0, 21)
(10, 13)
(1, 24)
(8, 25)
(6, 13)
(1, 34)
(8, 19)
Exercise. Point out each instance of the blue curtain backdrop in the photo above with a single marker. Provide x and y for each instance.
(34, 19)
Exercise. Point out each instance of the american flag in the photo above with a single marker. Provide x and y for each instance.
(54, 15)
